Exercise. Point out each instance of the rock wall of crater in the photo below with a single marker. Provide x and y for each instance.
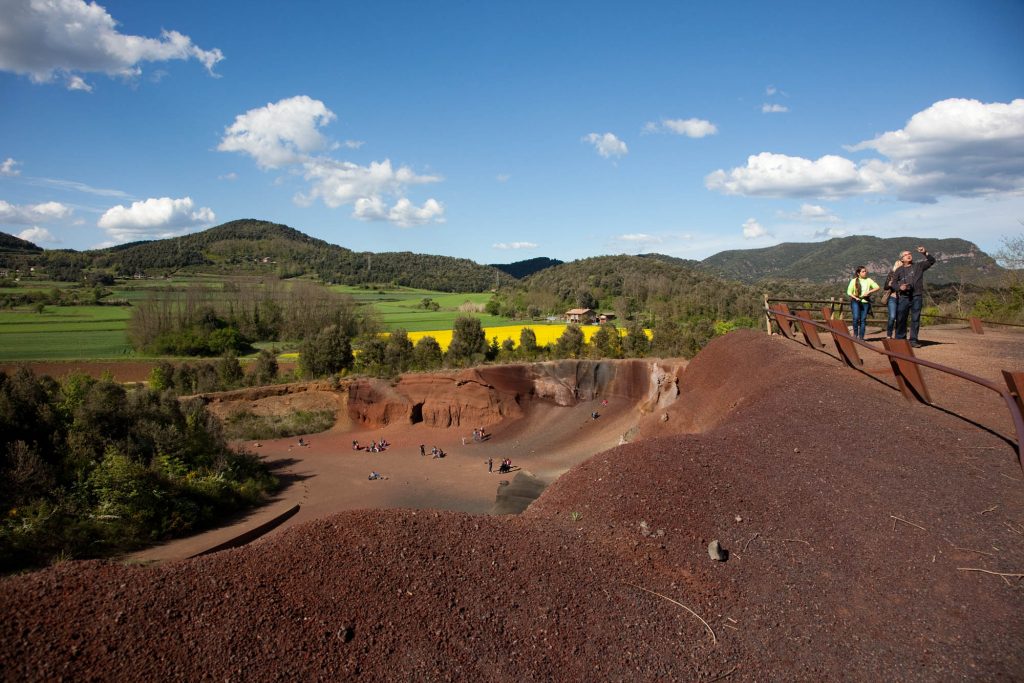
(486, 395)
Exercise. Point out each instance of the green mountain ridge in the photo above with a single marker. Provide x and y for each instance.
(835, 260)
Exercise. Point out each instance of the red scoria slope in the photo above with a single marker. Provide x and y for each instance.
(848, 516)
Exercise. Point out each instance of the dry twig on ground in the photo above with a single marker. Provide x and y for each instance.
(714, 639)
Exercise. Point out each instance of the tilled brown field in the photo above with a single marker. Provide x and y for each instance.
(857, 528)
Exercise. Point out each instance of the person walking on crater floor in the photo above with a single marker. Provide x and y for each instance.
(909, 287)
(859, 290)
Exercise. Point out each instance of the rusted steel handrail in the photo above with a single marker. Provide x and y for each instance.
(1007, 395)
(837, 303)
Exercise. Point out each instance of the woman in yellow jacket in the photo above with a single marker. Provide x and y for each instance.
(859, 289)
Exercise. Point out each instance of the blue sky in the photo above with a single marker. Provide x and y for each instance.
(501, 131)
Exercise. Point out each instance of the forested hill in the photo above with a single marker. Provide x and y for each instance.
(521, 269)
(835, 259)
(253, 246)
(10, 243)
(628, 285)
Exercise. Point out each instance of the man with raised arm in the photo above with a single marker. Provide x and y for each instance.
(908, 284)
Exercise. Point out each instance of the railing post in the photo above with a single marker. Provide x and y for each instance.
(908, 374)
(767, 316)
(976, 326)
(809, 330)
(826, 312)
(1015, 382)
(785, 324)
(847, 349)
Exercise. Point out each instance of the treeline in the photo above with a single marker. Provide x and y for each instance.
(652, 288)
(331, 352)
(88, 468)
(205, 322)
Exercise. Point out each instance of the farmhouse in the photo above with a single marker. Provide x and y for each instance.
(580, 315)
(605, 317)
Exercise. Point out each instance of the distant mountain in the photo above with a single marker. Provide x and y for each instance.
(835, 259)
(521, 269)
(10, 243)
(256, 247)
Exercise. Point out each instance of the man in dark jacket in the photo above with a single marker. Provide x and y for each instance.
(908, 285)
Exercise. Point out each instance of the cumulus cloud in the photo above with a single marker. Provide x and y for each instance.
(7, 167)
(752, 229)
(27, 214)
(515, 245)
(280, 133)
(154, 218)
(956, 147)
(607, 145)
(338, 183)
(403, 213)
(830, 232)
(59, 39)
(288, 134)
(771, 108)
(811, 213)
(691, 128)
(37, 235)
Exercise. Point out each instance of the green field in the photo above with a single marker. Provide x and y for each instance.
(401, 307)
(99, 332)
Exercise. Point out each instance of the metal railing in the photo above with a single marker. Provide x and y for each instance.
(837, 307)
(905, 366)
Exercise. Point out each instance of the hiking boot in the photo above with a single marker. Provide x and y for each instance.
(915, 344)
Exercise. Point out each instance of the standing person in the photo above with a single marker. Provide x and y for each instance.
(889, 298)
(909, 287)
(490, 464)
(860, 288)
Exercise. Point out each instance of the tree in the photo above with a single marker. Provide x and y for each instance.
(229, 370)
(469, 343)
(528, 342)
(265, 368)
(571, 343)
(426, 355)
(606, 342)
(635, 344)
(328, 352)
(397, 353)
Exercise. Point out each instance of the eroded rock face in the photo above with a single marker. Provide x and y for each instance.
(486, 395)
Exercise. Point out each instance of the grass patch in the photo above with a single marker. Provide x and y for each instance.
(246, 426)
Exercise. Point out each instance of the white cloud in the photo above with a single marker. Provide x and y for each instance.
(955, 147)
(26, 214)
(829, 232)
(280, 133)
(287, 134)
(770, 90)
(37, 235)
(78, 83)
(811, 213)
(77, 187)
(691, 128)
(607, 145)
(48, 39)
(515, 245)
(769, 108)
(154, 218)
(230, 177)
(503, 177)
(404, 213)
(639, 238)
(752, 229)
(7, 167)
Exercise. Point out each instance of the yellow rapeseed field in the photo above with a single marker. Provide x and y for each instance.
(546, 334)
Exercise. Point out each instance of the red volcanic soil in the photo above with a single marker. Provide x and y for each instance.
(866, 538)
